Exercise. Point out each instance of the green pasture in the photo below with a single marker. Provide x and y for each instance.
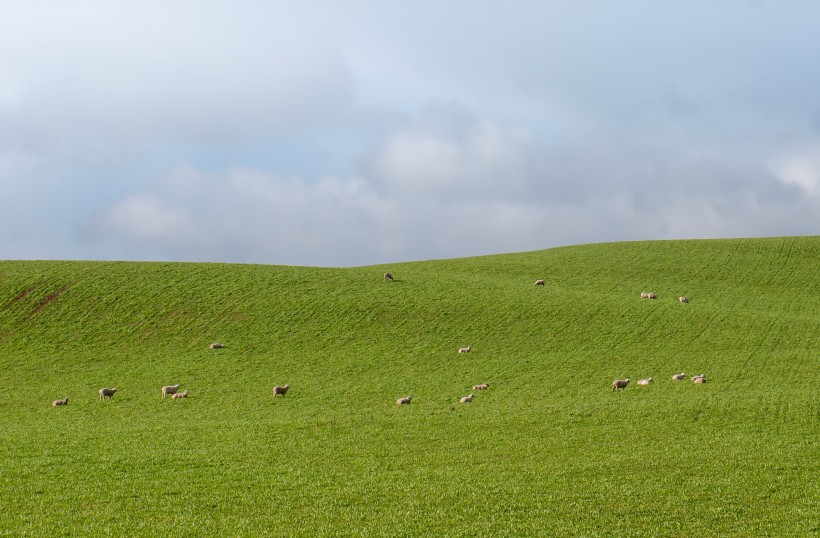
(548, 450)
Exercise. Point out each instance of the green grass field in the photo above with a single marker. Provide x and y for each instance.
(548, 450)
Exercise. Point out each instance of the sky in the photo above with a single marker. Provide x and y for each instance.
(352, 133)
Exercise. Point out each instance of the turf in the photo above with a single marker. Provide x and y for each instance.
(548, 450)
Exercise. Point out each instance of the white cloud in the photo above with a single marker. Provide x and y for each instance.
(800, 168)
(457, 159)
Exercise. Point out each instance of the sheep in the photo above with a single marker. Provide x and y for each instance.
(651, 296)
(465, 349)
(169, 389)
(57, 403)
(466, 399)
(404, 401)
(107, 393)
(679, 377)
(388, 276)
(183, 394)
(620, 384)
(683, 299)
(280, 390)
(539, 282)
(217, 345)
(482, 386)
(644, 295)
(698, 380)
(646, 381)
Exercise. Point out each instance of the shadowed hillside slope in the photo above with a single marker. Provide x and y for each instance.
(548, 448)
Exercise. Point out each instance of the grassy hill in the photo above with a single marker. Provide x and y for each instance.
(548, 450)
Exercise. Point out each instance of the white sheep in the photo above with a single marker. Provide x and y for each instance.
(107, 393)
(57, 403)
(183, 394)
(482, 386)
(646, 381)
(217, 345)
(388, 276)
(679, 377)
(683, 299)
(404, 401)
(620, 384)
(169, 389)
(465, 349)
(651, 296)
(466, 399)
(697, 377)
(539, 282)
(280, 390)
(644, 295)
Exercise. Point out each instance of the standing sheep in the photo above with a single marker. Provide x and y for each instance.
(217, 345)
(183, 394)
(644, 295)
(107, 393)
(466, 399)
(619, 384)
(539, 282)
(280, 390)
(388, 276)
(465, 349)
(683, 299)
(169, 389)
(699, 380)
(679, 377)
(646, 381)
(57, 403)
(482, 386)
(404, 401)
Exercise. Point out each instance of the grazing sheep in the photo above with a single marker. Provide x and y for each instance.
(466, 399)
(651, 296)
(646, 381)
(183, 394)
(57, 403)
(404, 401)
(679, 377)
(683, 299)
(539, 282)
(482, 386)
(644, 295)
(107, 393)
(620, 384)
(217, 345)
(388, 276)
(465, 349)
(701, 376)
(280, 390)
(169, 389)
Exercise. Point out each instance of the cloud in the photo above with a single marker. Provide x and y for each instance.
(443, 188)
(458, 160)
(159, 73)
(331, 134)
(800, 168)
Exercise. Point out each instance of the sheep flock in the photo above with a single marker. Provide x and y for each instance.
(281, 390)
